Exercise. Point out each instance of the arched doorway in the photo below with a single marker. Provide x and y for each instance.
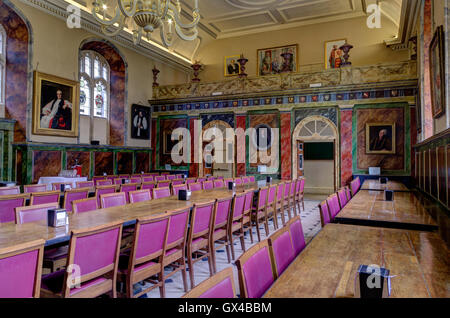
(226, 167)
(323, 175)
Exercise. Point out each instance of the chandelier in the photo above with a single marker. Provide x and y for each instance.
(147, 16)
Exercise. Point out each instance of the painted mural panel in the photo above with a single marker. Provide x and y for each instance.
(124, 162)
(442, 171)
(82, 158)
(327, 112)
(166, 126)
(46, 164)
(103, 163)
(142, 162)
(261, 121)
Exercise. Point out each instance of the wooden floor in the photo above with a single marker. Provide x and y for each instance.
(369, 206)
(370, 184)
(418, 261)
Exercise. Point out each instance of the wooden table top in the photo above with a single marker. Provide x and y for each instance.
(12, 234)
(327, 267)
(374, 184)
(370, 206)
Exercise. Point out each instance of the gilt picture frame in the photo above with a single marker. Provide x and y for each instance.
(437, 73)
(271, 62)
(231, 66)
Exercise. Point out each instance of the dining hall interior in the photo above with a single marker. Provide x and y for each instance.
(224, 149)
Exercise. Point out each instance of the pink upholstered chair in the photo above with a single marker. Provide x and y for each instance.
(9, 190)
(245, 179)
(219, 228)
(195, 186)
(190, 180)
(140, 195)
(259, 211)
(163, 184)
(218, 183)
(333, 205)
(8, 205)
(125, 188)
(286, 202)
(298, 239)
(85, 184)
(57, 185)
(176, 243)
(299, 196)
(325, 217)
(33, 213)
(178, 187)
(160, 178)
(207, 185)
(99, 190)
(211, 178)
(180, 176)
(84, 205)
(248, 207)
(44, 197)
(349, 193)
(21, 269)
(221, 285)
(118, 181)
(281, 250)
(112, 199)
(238, 181)
(342, 197)
(219, 178)
(112, 177)
(177, 181)
(30, 188)
(171, 177)
(137, 180)
(146, 256)
(104, 182)
(279, 202)
(93, 257)
(147, 179)
(148, 185)
(159, 193)
(235, 226)
(252, 178)
(270, 206)
(200, 180)
(292, 198)
(354, 186)
(255, 271)
(198, 237)
(96, 178)
(72, 195)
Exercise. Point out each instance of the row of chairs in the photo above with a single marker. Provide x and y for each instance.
(331, 207)
(258, 267)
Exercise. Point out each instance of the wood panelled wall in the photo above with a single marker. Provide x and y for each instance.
(432, 172)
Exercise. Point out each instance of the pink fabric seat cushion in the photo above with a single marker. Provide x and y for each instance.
(298, 239)
(224, 289)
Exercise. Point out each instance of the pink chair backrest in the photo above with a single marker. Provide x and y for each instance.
(258, 273)
(159, 193)
(171, 176)
(272, 193)
(85, 184)
(103, 182)
(151, 238)
(349, 194)
(202, 218)
(280, 190)
(163, 184)
(7, 211)
(298, 239)
(175, 182)
(207, 185)
(297, 186)
(342, 198)
(223, 211)
(147, 179)
(139, 196)
(292, 189)
(188, 181)
(18, 274)
(118, 180)
(238, 206)
(223, 289)
(103, 191)
(35, 188)
(245, 179)
(72, 196)
(287, 188)
(283, 251)
(325, 212)
(135, 180)
(35, 213)
(96, 251)
(9, 190)
(149, 186)
(262, 197)
(252, 178)
(218, 183)
(127, 188)
(177, 226)
(160, 178)
(113, 200)
(200, 180)
(238, 181)
(219, 178)
(49, 198)
(195, 186)
(85, 205)
(248, 200)
(178, 188)
(333, 205)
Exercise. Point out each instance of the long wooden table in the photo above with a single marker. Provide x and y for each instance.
(374, 184)
(418, 261)
(12, 234)
(369, 208)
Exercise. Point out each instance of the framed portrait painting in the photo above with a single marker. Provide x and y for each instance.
(231, 65)
(140, 122)
(380, 138)
(56, 105)
(437, 73)
(169, 143)
(334, 56)
(276, 60)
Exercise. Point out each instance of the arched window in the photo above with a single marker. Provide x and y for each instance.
(94, 85)
(2, 64)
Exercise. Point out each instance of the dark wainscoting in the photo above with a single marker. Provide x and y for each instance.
(33, 160)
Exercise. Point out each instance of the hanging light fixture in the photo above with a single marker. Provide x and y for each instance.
(147, 16)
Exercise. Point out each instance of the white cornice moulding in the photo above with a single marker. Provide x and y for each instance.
(57, 8)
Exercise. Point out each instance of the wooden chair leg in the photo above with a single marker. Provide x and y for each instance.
(212, 257)
(242, 240)
(162, 287)
(250, 230)
(210, 260)
(227, 247)
(191, 269)
(257, 230)
(184, 274)
(266, 225)
(232, 246)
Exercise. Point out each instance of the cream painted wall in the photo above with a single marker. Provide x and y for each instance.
(369, 47)
(319, 175)
(55, 51)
